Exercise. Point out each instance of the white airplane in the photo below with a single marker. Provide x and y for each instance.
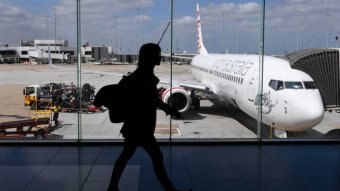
(290, 100)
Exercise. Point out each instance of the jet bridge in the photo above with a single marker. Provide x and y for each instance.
(323, 66)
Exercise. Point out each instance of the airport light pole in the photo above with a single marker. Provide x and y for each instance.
(116, 41)
(120, 44)
(224, 48)
(138, 10)
(327, 35)
(298, 30)
(237, 35)
(55, 29)
(46, 17)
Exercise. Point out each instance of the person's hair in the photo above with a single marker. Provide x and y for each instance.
(149, 54)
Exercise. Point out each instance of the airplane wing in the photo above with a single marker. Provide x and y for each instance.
(195, 86)
(190, 85)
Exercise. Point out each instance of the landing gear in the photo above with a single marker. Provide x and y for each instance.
(195, 100)
(195, 103)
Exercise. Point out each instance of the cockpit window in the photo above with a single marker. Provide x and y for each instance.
(293, 85)
(279, 85)
(310, 85)
(276, 84)
(272, 84)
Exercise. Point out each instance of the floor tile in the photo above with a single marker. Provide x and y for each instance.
(40, 149)
(54, 186)
(332, 184)
(208, 159)
(249, 157)
(292, 158)
(262, 171)
(213, 172)
(13, 185)
(63, 173)
(23, 173)
(81, 149)
(218, 185)
(74, 159)
(29, 159)
(103, 173)
(307, 171)
(106, 158)
(277, 185)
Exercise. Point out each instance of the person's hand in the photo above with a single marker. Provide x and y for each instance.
(174, 112)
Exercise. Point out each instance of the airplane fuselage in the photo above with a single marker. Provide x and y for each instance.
(290, 99)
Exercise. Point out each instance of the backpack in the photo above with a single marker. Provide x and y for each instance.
(111, 96)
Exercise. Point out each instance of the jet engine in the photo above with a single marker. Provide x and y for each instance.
(179, 98)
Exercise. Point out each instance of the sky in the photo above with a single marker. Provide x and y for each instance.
(231, 26)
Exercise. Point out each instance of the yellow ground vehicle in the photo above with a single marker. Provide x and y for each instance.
(40, 97)
(37, 96)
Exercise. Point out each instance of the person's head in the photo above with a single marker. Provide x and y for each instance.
(149, 55)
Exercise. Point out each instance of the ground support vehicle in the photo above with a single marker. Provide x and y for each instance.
(39, 127)
(38, 97)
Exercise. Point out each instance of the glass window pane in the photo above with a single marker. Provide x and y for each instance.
(219, 92)
(303, 57)
(37, 41)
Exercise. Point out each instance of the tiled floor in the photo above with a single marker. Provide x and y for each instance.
(293, 167)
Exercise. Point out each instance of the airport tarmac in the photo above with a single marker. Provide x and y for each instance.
(210, 122)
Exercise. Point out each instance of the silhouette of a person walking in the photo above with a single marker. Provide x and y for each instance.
(139, 124)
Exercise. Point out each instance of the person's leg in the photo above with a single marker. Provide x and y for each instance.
(127, 153)
(55, 118)
(152, 148)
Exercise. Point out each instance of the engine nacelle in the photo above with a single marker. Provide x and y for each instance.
(179, 98)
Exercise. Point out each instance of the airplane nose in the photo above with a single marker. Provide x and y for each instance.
(307, 110)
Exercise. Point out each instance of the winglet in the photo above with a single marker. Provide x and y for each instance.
(200, 46)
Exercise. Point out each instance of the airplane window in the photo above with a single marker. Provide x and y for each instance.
(310, 85)
(272, 84)
(293, 85)
(279, 85)
(276, 85)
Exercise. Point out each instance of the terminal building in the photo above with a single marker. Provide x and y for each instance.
(39, 51)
